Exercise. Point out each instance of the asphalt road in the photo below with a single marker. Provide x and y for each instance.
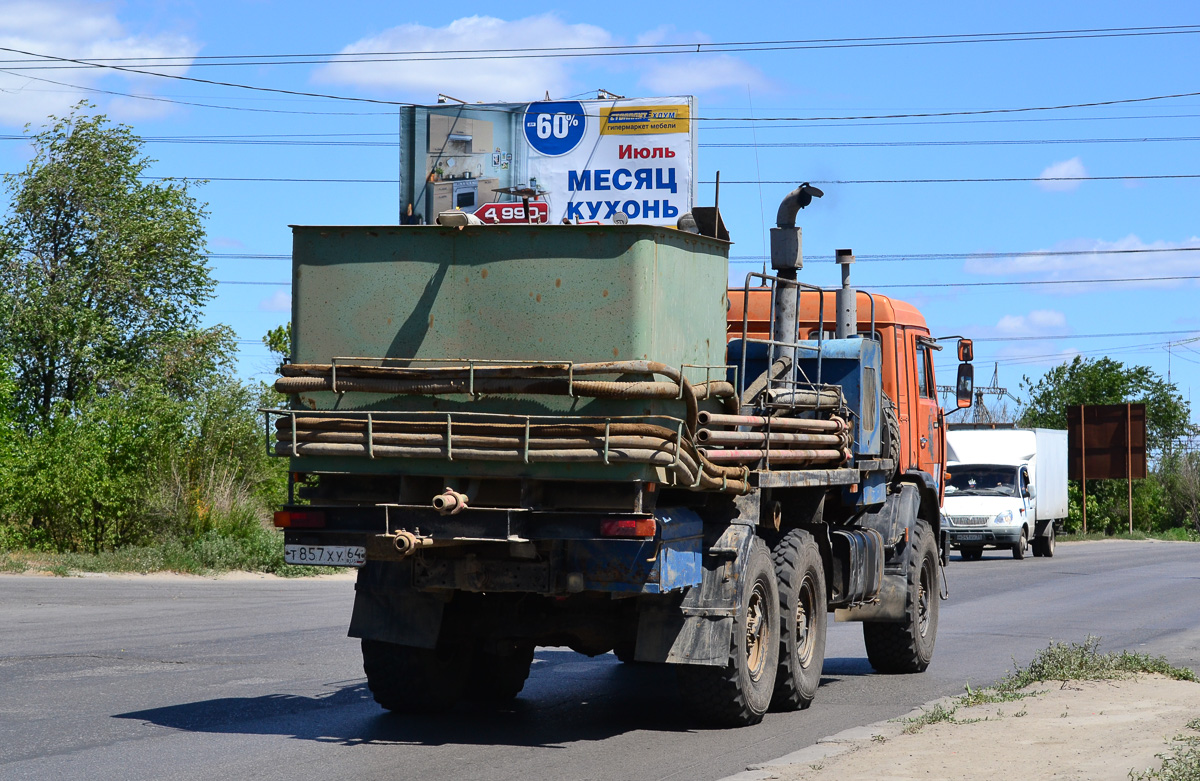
(173, 678)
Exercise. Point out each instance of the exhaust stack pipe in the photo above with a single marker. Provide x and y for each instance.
(847, 298)
(787, 258)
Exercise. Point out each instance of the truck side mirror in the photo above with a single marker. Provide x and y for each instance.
(965, 387)
(1031, 492)
(966, 350)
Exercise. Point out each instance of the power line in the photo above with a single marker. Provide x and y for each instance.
(241, 256)
(156, 99)
(1007, 142)
(1118, 334)
(723, 182)
(378, 101)
(1010, 120)
(1042, 282)
(297, 139)
(697, 47)
(897, 257)
(960, 180)
(945, 284)
(881, 258)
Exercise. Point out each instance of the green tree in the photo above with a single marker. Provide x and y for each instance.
(279, 341)
(1105, 381)
(104, 273)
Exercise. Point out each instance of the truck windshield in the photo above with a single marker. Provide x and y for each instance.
(968, 480)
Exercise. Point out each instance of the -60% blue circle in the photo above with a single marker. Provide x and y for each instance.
(554, 128)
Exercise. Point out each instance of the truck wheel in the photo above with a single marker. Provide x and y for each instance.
(802, 622)
(739, 693)
(1048, 542)
(907, 646)
(1044, 545)
(1020, 545)
(624, 651)
(414, 680)
(971, 554)
(499, 675)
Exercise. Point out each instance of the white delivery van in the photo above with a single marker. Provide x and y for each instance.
(1005, 488)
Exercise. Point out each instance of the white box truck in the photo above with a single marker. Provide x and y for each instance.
(1005, 488)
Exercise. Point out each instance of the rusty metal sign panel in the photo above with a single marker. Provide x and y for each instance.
(1106, 441)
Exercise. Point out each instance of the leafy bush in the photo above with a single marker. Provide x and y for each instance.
(136, 466)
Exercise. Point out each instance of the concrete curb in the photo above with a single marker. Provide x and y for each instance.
(843, 742)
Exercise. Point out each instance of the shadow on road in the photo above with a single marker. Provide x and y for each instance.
(845, 665)
(568, 698)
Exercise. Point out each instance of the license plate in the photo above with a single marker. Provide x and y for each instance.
(969, 537)
(326, 555)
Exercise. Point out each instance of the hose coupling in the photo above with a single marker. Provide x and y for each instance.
(450, 502)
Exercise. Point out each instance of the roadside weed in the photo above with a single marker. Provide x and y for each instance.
(1180, 763)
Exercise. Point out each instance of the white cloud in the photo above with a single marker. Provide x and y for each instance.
(690, 74)
(1069, 169)
(1099, 259)
(80, 30)
(226, 242)
(280, 301)
(1039, 321)
(488, 80)
(530, 79)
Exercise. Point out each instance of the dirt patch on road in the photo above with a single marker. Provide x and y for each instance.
(1094, 730)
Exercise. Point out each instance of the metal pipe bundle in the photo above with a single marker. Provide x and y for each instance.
(793, 441)
(315, 435)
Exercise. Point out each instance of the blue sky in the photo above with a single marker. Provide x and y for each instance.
(251, 218)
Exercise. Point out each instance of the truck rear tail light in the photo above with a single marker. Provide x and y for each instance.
(299, 519)
(628, 527)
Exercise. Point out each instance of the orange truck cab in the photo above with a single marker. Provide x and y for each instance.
(907, 377)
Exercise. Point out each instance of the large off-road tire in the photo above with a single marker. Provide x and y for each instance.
(907, 646)
(1020, 546)
(739, 693)
(499, 674)
(971, 554)
(1044, 545)
(803, 618)
(414, 680)
(889, 436)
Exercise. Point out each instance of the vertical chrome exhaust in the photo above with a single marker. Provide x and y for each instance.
(847, 298)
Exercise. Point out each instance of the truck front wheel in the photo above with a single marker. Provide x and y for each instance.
(803, 619)
(414, 680)
(907, 646)
(739, 693)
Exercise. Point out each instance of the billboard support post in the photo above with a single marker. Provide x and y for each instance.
(1129, 459)
(1083, 461)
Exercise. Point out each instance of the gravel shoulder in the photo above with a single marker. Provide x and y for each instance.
(1095, 730)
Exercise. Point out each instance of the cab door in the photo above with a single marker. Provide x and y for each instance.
(905, 398)
(927, 418)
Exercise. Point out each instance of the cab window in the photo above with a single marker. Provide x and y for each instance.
(924, 388)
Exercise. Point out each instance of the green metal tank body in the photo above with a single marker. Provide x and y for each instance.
(506, 292)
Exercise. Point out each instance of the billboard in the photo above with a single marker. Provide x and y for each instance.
(1106, 441)
(590, 158)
